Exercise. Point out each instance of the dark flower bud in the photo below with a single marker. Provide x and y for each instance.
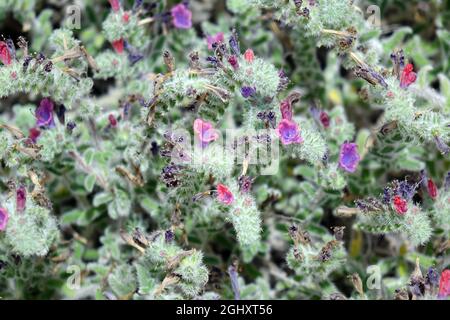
(61, 113)
(169, 236)
(70, 126)
(232, 60)
(245, 184)
(21, 198)
(26, 62)
(48, 66)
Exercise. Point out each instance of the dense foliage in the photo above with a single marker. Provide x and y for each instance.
(238, 149)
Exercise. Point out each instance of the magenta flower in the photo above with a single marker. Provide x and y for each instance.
(3, 219)
(349, 157)
(118, 45)
(289, 132)
(408, 76)
(214, 39)
(205, 132)
(33, 134)
(5, 54)
(400, 205)
(115, 5)
(233, 61)
(181, 16)
(21, 199)
(324, 119)
(444, 284)
(224, 195)
(44, 114)
(112, 120)
(248, 92)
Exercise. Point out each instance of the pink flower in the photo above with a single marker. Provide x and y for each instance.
(44, 114)
(115, 5)
(3, 219)
(224, 195)
(181, 16)
(349, 157)
(5, 54)
(432, 189)
(400, 205)
(219, 37)
(444, 284)
(118, 45)
(249, 56)
(205, 132)
(126, 17)
(289, 132)
(408, 76)
(21, 198)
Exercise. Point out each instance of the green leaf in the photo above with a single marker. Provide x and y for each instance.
(89, 182)
(71, 216)
(102, 198)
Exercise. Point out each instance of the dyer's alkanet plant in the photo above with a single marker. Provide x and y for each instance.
(265, 150)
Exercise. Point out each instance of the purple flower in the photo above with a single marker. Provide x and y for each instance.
(406, 190)
(387, 195)
(181, 16)
(4, 217)
(349, 157)
(248, 91)
(433, 277)
(44, 114)
(234, 43)
(289, 132)
(169, 236)
(21, 199)
(214, 39)
(205, 132)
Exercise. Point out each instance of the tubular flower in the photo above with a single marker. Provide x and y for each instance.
(400, 205)
(224, 195)
(44, 114)
(349, 157)
(5, 55)
(289, 132)
(181, 16)
(205, 132)
(408, 76)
